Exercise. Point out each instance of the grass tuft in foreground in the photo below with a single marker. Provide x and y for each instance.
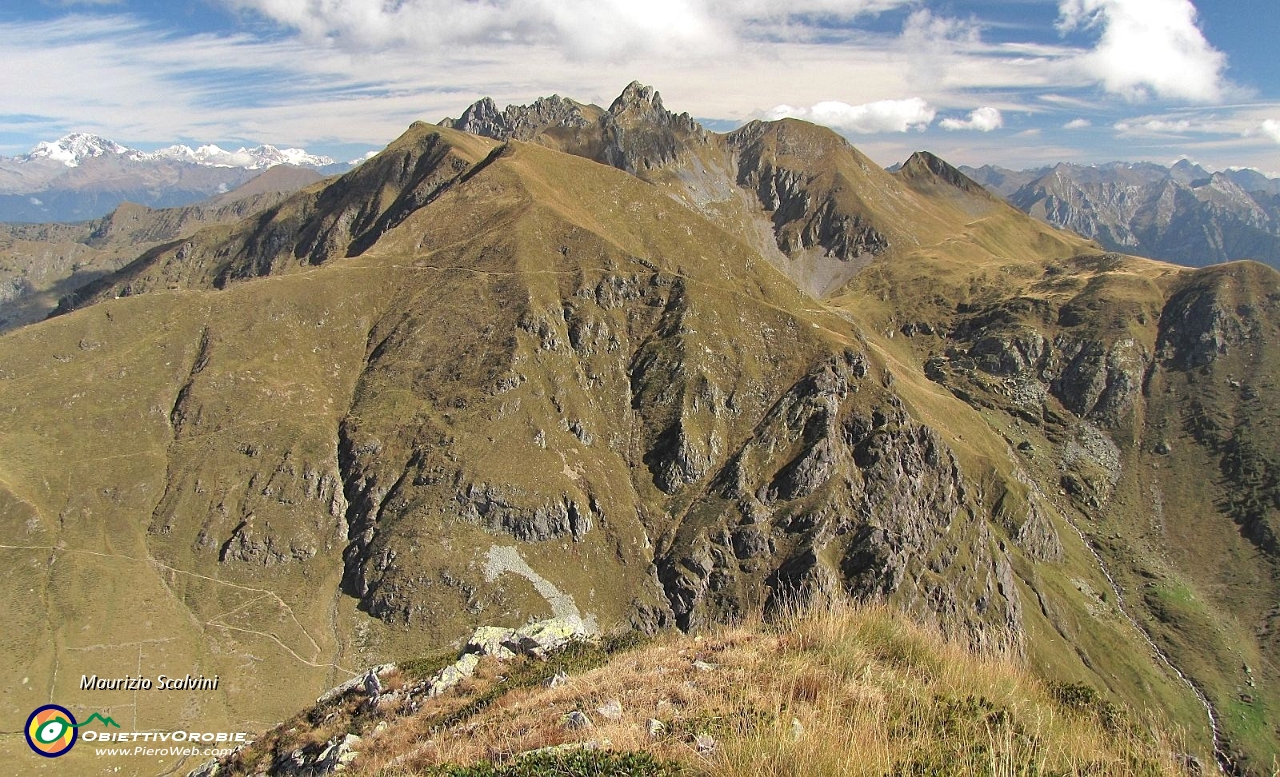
(838, 690)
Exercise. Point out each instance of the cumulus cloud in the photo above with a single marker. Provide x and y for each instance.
(984, 119)
(1271, 128)
(881, 116)
(1077, 124)
(581, 29)
(1147, 48)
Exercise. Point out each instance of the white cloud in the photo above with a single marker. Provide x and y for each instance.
(984, 119)
(580, 29)
(146, 84)
(881, 116)
(1147, 48)
(1271, 128)
(1163, 127)
(1077, 124)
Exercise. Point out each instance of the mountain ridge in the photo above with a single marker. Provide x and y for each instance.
(83, 177)
(673, 379)
(73, 149)
(1184, 213)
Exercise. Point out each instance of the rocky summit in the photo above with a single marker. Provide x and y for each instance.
(604, 365)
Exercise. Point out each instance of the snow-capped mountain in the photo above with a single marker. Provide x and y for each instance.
(249, 158)
(84, 176)
(72, 150)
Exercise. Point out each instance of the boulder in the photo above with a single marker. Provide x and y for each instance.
(489, 641)
(539, 639)
(206, 769)
(453, 674)
(337, 754)
(611, 710)
(557, 680)
(334, 694)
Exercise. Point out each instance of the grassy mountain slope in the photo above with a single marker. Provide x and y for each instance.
(478, 380)
(842, 691)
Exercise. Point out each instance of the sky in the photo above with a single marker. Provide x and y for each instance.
(1017, 83)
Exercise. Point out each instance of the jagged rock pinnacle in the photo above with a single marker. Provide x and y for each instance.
(637, 98)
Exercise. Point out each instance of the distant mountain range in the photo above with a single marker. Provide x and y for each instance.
(39, 263)
(81, 176)
(1184, 213)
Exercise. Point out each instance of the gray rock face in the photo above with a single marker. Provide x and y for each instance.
(331, 757)
(611, 710)
(206, 769)
(519, 122)
(1186, 215)
(489, 641)
(635, 134)
(877, 493)
(1200, 325)
(499, 509)
(545, 637)
(1098, 381)
(801, 221)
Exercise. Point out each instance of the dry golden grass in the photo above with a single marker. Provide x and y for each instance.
(841, 690)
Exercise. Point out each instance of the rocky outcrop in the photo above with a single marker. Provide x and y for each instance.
(503, 509)
(636, 134)
(1097, 380)
(805, 217)
(1201, 323)
(1021, 364)
(520, 122)
(332, 756)
(833, 496)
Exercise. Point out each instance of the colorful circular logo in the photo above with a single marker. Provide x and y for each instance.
(51, 731)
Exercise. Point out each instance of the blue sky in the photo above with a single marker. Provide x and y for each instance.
(1010, 82)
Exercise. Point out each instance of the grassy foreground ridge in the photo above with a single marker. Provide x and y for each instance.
(838, 690)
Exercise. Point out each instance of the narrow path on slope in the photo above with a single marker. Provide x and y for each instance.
(1225, 764)
(264, 594)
